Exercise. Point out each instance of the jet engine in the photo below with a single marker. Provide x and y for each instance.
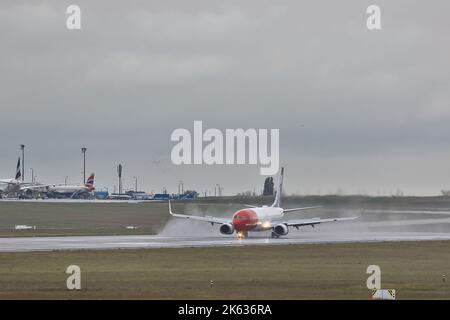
(281, 230)
(226, 228)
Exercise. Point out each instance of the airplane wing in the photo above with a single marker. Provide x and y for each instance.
(299, 209)
(209, 219)
(6, 181)
(314, 221)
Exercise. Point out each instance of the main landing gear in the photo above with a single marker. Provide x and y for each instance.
(274, 235)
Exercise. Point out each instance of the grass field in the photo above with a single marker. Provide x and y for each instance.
(56, 219)
(338, 271)
(73, 219)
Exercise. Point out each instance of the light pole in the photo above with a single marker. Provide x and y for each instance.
(22, 147)
(180, 187)
(119, 174)
(65, 180)
(32, 175)
(219, 190)
(83, 150)
(135, 184)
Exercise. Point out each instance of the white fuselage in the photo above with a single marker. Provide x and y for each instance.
(269, 216)
(10, 185)
(67, 189)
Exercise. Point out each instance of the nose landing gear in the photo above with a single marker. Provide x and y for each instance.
(242, 234)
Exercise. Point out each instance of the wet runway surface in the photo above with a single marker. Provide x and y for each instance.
(138, 242)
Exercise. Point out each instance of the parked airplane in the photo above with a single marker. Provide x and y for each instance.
(261, 218)
(15, 186)
(71, 191)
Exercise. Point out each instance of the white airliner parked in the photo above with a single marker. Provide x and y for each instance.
(15, 185)
(261, 218)
(72, 191)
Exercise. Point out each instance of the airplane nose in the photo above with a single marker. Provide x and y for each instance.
(244, 220)
(238, 224)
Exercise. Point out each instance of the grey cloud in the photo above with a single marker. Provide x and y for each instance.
(352, 105)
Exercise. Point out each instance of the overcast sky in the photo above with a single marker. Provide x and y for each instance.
(358, 111)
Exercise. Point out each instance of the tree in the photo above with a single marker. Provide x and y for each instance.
(191, 193)
(268, 187)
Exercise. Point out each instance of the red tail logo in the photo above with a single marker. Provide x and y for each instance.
(90, 182)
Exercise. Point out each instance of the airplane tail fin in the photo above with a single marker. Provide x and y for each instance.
(90, 182)
(18, 172)
(277, 202)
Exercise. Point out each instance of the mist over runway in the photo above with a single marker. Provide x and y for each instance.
(186, 234)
